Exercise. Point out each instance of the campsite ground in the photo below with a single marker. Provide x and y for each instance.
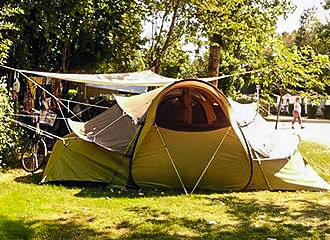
(32, 211)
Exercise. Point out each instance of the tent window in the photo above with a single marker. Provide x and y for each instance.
(198, 113)
(171, 111)
(189, 109)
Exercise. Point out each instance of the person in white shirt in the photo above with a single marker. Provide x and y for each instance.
(296, 113)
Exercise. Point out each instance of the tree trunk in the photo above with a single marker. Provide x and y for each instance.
(156, 67)
(214, 58)
(160, 52)
(65, 57)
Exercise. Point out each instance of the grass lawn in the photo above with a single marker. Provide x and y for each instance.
(31, 211)
(318, 156)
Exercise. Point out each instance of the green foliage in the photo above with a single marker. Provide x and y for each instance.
(167, 20)
(9, 133)
(314, 34)
(72, 93)
(76, 36)
(291, 70)
(240, 28)
(176, 63)
(6, 26)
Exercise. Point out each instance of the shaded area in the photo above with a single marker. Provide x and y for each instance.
(47, 229)
(248, 218)
(313, 210)
(255, 220)
(15, 229)
(29, 178)
(111, 192)
(259, 219)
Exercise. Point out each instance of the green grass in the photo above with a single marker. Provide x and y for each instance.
(318, 156)
(31, 211)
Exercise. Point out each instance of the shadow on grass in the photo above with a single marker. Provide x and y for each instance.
(275, 220)
(313, 210)
(45, 229)
(252, 220)
(109, 192)
(30, 178)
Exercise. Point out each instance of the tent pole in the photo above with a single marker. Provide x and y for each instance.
(211, 160)
(262, 170)
(171, 159)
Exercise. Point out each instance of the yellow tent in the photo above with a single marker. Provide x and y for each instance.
(186, 135)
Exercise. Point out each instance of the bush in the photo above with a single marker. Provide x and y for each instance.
(9, 132)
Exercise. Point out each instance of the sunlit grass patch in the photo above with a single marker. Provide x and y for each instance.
(318, 156)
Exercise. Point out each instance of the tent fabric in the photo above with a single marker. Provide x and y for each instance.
(112, 129)
(143, 78)
(290, 173)
(82, 161)
(115, 128)
(268, 142)
(244, 152)
(136, 106)
(107, 88)
(277, 164)
(148, 147)
(230, 169)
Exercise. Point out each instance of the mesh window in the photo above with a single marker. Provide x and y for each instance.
(189, 109)
(170, 112)
(198, 113)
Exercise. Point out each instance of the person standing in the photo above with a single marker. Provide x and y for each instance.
(296, 113)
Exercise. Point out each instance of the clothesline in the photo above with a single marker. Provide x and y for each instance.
(42, 132)
(85, 104)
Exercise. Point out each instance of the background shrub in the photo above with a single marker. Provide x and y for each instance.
(10, 133)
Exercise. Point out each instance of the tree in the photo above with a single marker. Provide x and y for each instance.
(239, 28)
(8, 133)
(312, 33)
(165, 18)
(291, 70)
(75, 36)
(6, 27)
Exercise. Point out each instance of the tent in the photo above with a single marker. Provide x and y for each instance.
(185, 135)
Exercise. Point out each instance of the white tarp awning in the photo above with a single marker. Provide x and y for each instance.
(129, 89)
(143, 78)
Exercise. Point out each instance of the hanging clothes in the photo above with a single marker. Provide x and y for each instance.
(28, 101)
(57, 88)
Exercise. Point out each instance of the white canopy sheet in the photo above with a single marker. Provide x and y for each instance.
(143, 78)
